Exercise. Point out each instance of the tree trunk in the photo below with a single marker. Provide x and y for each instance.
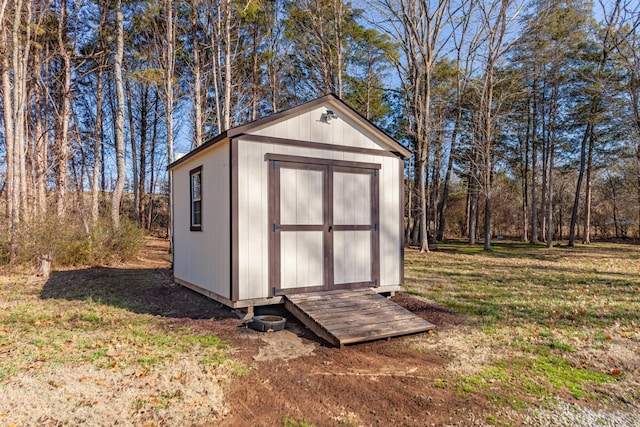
(21, 36)
(550, 192)
(97, 148)
(216, 69)
(442, 209)
(473, 200)
(614, 202)
(424, 237)
(272, 67)
(545, 175)
(638, 183)
(169, 70)
(7, 111)
(152, 160)
(227, 65)
(415, 230)
(142, 170)
(255, 74)
(78, 176)
(134, 150)
(62, 134)
(410, 198)
(586, 235)
(119, 119)
(524, 174)
(534, 167)
(488, 166)
(338, 9)
(435, 181)
(39, 154)
(576, 200)
(424, 123)
(487, 154)
(553, 122)
(198, 128)
(98, 134)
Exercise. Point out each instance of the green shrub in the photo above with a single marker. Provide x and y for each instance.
(126, 242)
(69, 242)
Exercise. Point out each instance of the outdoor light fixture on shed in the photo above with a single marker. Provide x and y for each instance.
(326, 117)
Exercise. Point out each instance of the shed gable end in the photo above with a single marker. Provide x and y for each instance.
(315, 125)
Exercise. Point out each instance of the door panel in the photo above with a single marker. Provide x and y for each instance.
(301, 196)
(351, 198)
(352, 257)
(352, 226)
(324, 226)
(302, 259)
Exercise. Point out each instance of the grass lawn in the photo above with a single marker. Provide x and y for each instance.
(128, 346)
(87, 347)
(542, 323)
(37, 333)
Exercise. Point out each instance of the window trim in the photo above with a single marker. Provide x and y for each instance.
(192, 200)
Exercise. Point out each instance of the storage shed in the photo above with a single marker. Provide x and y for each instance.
(306, 200)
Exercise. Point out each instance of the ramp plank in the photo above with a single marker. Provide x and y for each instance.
(350, 316)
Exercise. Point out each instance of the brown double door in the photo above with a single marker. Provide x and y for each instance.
(324, 225)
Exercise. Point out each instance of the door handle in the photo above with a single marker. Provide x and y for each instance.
(330, 228)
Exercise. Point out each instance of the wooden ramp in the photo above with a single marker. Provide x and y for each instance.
(351, 316)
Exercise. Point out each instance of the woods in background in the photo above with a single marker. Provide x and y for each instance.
(523, 116)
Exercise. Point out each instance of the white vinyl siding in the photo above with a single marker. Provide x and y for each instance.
(390, 231)
(308, 127)
(253, 212)
(204, 258)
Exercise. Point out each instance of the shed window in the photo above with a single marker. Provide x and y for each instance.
(196, 199)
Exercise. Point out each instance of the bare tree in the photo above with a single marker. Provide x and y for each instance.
(14, 87)
(7, 104)
(197, 71)
(40, 141)
(626, 22)
(221, 24)
(119, 117)
(97, 148)
(497, 17)
(319, 43)
(274, 58)
(64, 113)
(586, 144)
(463, 74)
(169, 70)
(101, 60)
(418, 28)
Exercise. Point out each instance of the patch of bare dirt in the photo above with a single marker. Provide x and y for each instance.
(380, 383)
(377, 383)
(437, 314)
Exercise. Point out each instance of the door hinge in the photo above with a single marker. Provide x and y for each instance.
(375, 227)
(375, 283)
(375, 172)
(275, 227)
